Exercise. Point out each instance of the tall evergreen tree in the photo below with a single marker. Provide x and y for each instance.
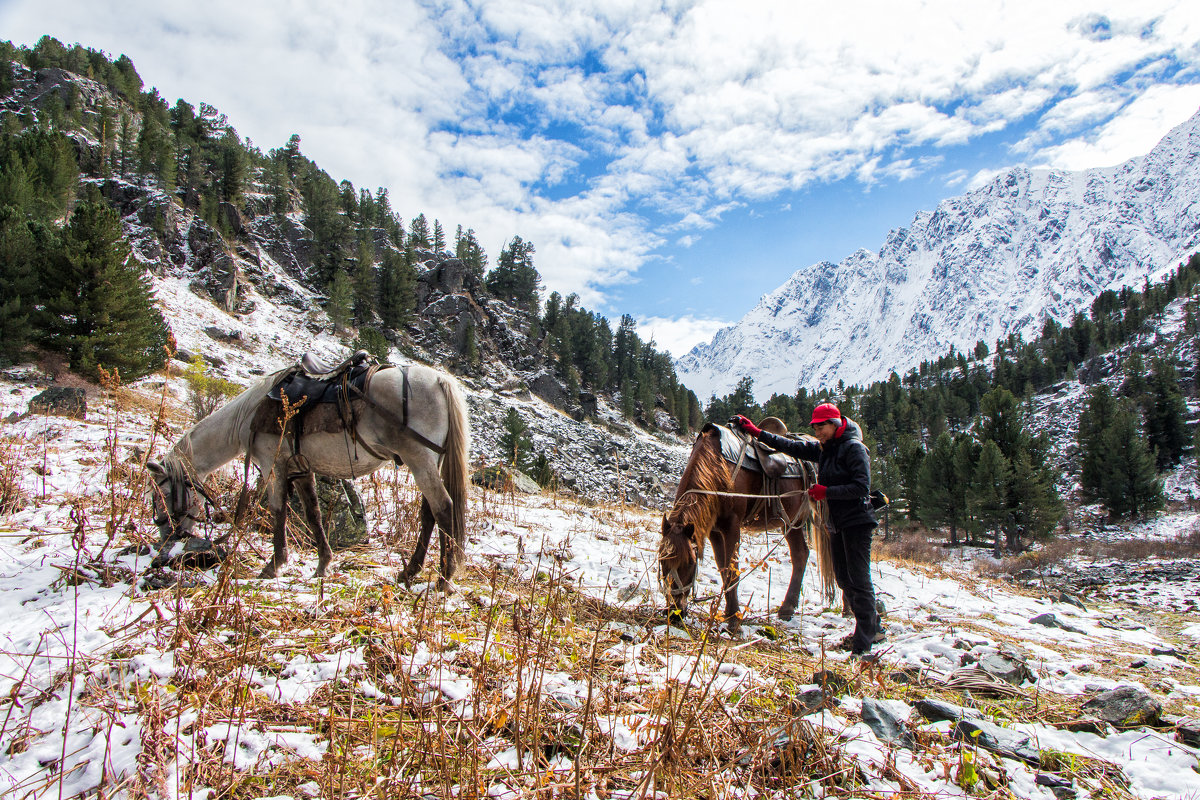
(101, 311)
(989, 492)
(1165, 414)
(1097, 415)
(1130, 486)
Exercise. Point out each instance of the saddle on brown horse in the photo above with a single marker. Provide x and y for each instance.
(747, 453)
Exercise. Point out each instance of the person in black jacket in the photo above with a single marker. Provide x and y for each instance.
(844, 472)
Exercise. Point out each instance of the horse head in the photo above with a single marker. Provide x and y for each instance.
(176, 507)
(678, 556)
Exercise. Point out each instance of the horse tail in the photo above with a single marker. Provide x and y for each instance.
(819, 522)
(455, 463)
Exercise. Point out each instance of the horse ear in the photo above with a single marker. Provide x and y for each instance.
(155, 467)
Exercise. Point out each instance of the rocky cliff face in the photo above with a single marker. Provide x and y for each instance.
(995, 261)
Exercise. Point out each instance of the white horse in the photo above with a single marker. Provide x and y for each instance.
(408, 429)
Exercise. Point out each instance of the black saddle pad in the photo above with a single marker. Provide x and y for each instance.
(296, 386)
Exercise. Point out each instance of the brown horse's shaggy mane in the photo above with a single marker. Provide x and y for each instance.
(706, 470)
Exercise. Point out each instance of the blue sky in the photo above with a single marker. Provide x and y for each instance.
(672, 160)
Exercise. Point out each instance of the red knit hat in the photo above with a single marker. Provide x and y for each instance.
(825, 412)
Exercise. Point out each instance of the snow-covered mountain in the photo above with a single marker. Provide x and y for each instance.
(995, 261)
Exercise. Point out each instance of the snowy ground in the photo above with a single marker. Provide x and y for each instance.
(547, 672)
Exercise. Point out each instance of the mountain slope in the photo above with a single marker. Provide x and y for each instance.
(995, 261)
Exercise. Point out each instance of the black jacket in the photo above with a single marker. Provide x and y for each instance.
(843, 467)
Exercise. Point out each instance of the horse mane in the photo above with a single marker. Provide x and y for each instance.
(706, 471)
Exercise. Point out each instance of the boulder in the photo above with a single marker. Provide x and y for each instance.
(811, 698)
(62, 401)
(589, 403)
(1125, 707)
(548, 387)
(1001, 741)
(1052, 621)
(886, 719)
(1007, 667)
(833, 683)
(937, 711)
(504, 478)
(342, 513)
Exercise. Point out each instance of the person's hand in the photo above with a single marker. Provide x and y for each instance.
(816, 492)
(740, 422)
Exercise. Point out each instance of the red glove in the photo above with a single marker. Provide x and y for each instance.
(738, 421)
(816, 492)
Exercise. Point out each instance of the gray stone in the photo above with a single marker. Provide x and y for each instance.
(1063, 788)
(886, 719)
(589, 403)
(549, 388)
(1007, 667)
(628, 633)
(1187, 730)
(1052, 621)
(1125, 707)
(810, 699)
(937, 711)
(1069, 599)
(998, 740)
(504, 478)
(62, 401)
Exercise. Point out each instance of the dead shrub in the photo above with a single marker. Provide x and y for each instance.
(914, 545)
(12, 466)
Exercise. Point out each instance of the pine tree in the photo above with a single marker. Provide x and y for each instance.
(397, 282)
(1095, 418)
(935, 486)
(989, 491)
(418, 232)
(20, 257)
(439, 237)
(101, 311)
(1165, 413)
(515, 443)
(340, 305)
(1130, 486)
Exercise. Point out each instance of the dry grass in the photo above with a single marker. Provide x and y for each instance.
(395, 720)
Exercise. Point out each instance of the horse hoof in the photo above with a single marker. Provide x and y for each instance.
(267, 572)
(786, 614)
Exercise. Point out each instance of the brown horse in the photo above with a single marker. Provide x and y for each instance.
(713, 501)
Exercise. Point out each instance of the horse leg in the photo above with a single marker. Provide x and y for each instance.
(437, 500)
(798, 551)
(281, 489)
(725, 547)
(307, 485)
(418, 557)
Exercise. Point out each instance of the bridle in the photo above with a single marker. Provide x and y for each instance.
(177, 506)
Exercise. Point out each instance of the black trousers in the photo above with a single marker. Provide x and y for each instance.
(852, 570)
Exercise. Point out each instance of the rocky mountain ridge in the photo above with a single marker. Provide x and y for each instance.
(242, 293)
(1030, 244)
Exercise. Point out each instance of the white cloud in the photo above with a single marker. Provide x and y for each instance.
(678, 335)
(576, 123)
(1132, 132)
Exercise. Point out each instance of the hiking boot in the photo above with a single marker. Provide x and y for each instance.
(844, 644)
